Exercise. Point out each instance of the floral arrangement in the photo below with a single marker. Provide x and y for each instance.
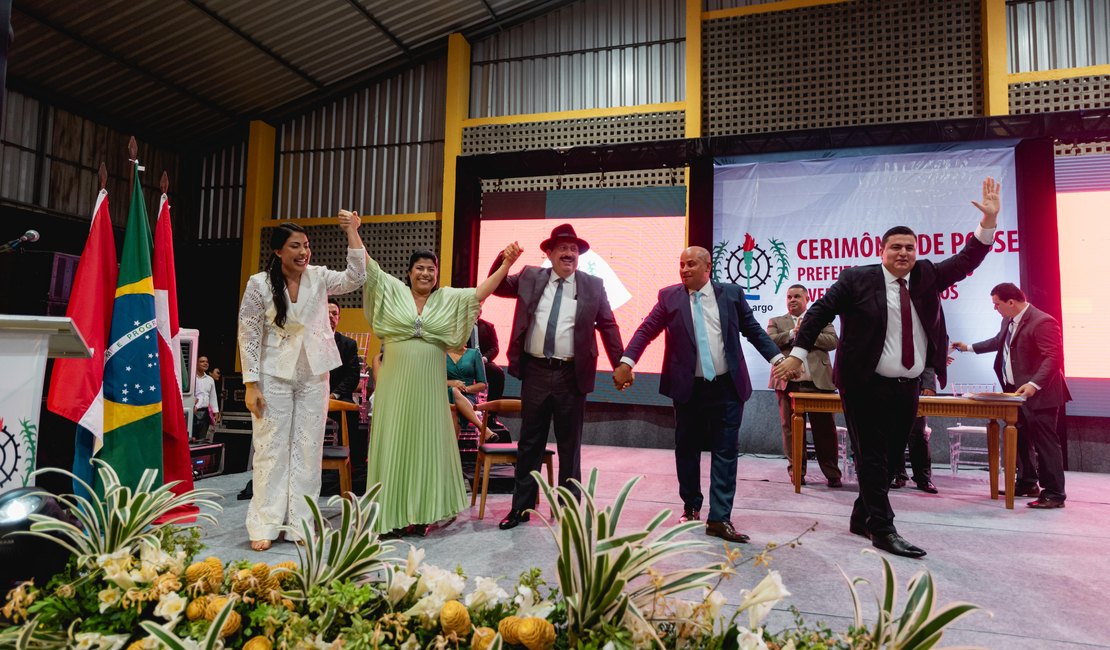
(134, 583)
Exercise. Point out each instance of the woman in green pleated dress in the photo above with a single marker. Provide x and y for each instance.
(413, 451)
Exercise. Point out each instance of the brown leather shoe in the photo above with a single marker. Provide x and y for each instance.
(689, 514)
(725, 531)
(1046, 503)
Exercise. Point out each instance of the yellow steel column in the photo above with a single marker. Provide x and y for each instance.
(259, 195)
(996, 87)
(458, 108)
(693, 86)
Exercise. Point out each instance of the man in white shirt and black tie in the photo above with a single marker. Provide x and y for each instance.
(552, 350)
(891, 328)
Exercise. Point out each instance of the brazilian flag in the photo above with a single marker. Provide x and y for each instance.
(132, 383)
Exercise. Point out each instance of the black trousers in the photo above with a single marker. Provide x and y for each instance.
(549, 395)
(1039, 456)
(710, 420)
(879, 413)
(921, 459)
(495, 381)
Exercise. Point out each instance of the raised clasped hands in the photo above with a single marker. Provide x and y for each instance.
(623, 377)
(511, 253)
(991, 202)
(788, 369)
(349, 220)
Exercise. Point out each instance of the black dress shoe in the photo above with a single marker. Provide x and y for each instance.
(1019, 491)
(247, 493)
(513, 519)
(858, 530)
(893, 543)
(836, 483)
(898, 483)
(927, 486)
(725, 531)
(689, 514)
(1046, 503)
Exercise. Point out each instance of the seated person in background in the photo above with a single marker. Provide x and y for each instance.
(206, 409)
(466, 377)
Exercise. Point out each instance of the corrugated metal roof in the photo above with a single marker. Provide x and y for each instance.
(188, 70)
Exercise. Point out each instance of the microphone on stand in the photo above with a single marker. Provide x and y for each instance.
(27, 237)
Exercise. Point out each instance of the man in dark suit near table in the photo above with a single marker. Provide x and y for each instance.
(1029, 361)
(891, 328)
(343, 381)
(782, 330)
(705, 375)
(553, 351)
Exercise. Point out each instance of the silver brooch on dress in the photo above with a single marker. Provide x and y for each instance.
(418, 328)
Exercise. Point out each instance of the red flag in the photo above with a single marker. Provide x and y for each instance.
(176, 465)
(77, 385)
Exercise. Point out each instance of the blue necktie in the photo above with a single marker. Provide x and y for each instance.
(553, 321)
(702, 334)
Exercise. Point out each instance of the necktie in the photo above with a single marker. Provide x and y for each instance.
(553, 321)
(1007, 370)
(907, 324)
(708, 371)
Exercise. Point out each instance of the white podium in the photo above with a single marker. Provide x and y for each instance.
(25, 344)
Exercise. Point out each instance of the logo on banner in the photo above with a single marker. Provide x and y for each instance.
(752, 267)
(10, 446)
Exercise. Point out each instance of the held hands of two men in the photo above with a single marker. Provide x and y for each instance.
(961, 346)
(623, 376)
(787, 369)
(256, 404)
(349, 220)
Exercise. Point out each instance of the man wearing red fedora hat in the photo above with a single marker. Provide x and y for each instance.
(553, 351)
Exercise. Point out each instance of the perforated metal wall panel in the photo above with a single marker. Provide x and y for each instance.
(378, 151)
(223, 184)
(639, 178)
(1054, 34)
(865, 62)
(586, 55)
(1063, 95)
(390, 244)
(563, 134)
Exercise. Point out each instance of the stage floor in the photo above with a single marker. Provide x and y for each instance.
(1043, 575)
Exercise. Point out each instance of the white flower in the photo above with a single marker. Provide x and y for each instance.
(114, 573)
(486, 594)
(120, 557)
(683, 609)
(170, 606)
(416, 556)
(643, 634)
(446, 585)
(427, 608)
(714, 601)
(759, 601)
(399, 586)
(525, 600)
(749, 640)
(108, 598)
(410, 643)
(94, 641)
(145, 573)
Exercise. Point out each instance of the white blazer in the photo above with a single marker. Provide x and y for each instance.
(265, 348)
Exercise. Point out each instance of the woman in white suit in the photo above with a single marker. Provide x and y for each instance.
(287, 349)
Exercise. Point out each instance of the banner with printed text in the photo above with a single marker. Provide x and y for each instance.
(776, 224)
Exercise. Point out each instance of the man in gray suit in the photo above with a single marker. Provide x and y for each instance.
(553, 351)
(783, 330)
(1029, 361)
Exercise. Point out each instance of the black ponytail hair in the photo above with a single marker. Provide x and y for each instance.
(278, 237)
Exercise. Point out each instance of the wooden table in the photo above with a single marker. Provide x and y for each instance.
(952, 407)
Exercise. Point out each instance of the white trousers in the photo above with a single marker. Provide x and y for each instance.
(288, 447)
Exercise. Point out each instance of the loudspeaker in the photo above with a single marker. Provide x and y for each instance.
(36, 283)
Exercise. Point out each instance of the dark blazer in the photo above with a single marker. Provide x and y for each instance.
(344, 379)
(859, 298)
(1036, 355)
(593, 313)
(672, 314)
(487, 339)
